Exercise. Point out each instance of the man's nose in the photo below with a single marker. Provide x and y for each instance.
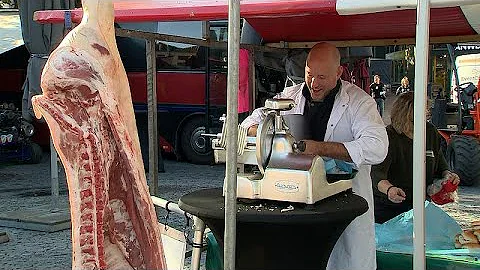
(315, 82)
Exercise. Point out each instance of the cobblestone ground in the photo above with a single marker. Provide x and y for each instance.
(28, 186)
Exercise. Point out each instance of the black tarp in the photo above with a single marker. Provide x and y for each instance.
(40, 40)
(383, 68)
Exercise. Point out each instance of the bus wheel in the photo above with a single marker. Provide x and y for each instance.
(194, 146)
(463, 156)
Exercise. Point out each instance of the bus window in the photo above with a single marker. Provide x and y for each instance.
(180, 56)
(218, 57)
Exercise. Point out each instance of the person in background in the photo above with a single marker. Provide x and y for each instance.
(393, 178)
(342, 123)
(404, 86)
(377, 90)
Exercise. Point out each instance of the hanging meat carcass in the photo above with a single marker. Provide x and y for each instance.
(87, 105)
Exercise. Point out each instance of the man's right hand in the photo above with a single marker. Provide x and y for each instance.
(396, 195)
(252, 131)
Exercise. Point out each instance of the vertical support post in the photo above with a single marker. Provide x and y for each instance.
(206, 36)
(232, 134)
(152, 117)
(419, 131)
(54, 170)
(199, 229)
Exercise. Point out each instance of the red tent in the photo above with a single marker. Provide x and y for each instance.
(320, 20)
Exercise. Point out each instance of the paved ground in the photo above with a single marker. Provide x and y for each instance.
(27, 186)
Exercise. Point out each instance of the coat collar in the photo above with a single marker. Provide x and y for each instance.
(339, 107)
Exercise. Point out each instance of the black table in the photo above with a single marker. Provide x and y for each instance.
(269, 238)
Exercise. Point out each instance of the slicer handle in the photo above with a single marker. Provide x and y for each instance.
(299, 146)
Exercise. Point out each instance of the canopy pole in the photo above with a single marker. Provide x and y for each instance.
(152, 116)
(419, 156)
(54, 170)
(232, 131)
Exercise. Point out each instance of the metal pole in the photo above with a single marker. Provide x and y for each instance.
(206, 35)
(420, 102)
(171, 206)
(152, 116)
(199, 229)
(54, 170)
(232, 131)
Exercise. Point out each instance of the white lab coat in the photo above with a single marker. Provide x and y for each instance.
(356, 123)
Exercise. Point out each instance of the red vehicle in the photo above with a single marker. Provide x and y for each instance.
(188, 99)
(185, 96)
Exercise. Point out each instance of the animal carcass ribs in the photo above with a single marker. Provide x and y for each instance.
(87, 105)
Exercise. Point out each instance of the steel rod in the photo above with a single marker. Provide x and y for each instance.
(232, 131)
(171, 206)
(54, 169)
(199, 229)
(419, 131)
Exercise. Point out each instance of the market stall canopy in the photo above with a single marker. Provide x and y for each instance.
(305, 20)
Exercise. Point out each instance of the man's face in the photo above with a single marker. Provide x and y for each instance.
(321, 77)
(376, 79)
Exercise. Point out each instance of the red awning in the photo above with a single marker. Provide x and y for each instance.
(288, 20)
(171, 10)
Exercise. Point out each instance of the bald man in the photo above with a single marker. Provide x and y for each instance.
(341, 121)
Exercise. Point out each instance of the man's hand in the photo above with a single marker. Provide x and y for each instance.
(327, 149)
(310, 147)
(451, 177)
(396, 194)
(252, 131)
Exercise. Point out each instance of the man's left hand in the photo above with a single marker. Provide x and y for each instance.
(451, 177)
(310, 147)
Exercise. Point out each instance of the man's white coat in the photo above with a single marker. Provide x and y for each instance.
(356, 123)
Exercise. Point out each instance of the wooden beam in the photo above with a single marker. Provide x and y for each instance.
(194, 41)
(376, 42)
(152, 117)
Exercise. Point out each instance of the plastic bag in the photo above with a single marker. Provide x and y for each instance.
(442, 191)
(336, 166)
(396, 235)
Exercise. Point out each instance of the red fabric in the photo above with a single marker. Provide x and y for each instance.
(346, 75)
(279, 20)
(172, 10)
(362, 75)
(444, 196)
(243, 82)
(382, 25)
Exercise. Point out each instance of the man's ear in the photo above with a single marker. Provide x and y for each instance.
(339, 72)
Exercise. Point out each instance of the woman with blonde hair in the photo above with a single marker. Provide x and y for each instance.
(393, 178)
(404, 86)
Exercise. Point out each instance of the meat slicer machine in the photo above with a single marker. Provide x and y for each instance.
(283, 173)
